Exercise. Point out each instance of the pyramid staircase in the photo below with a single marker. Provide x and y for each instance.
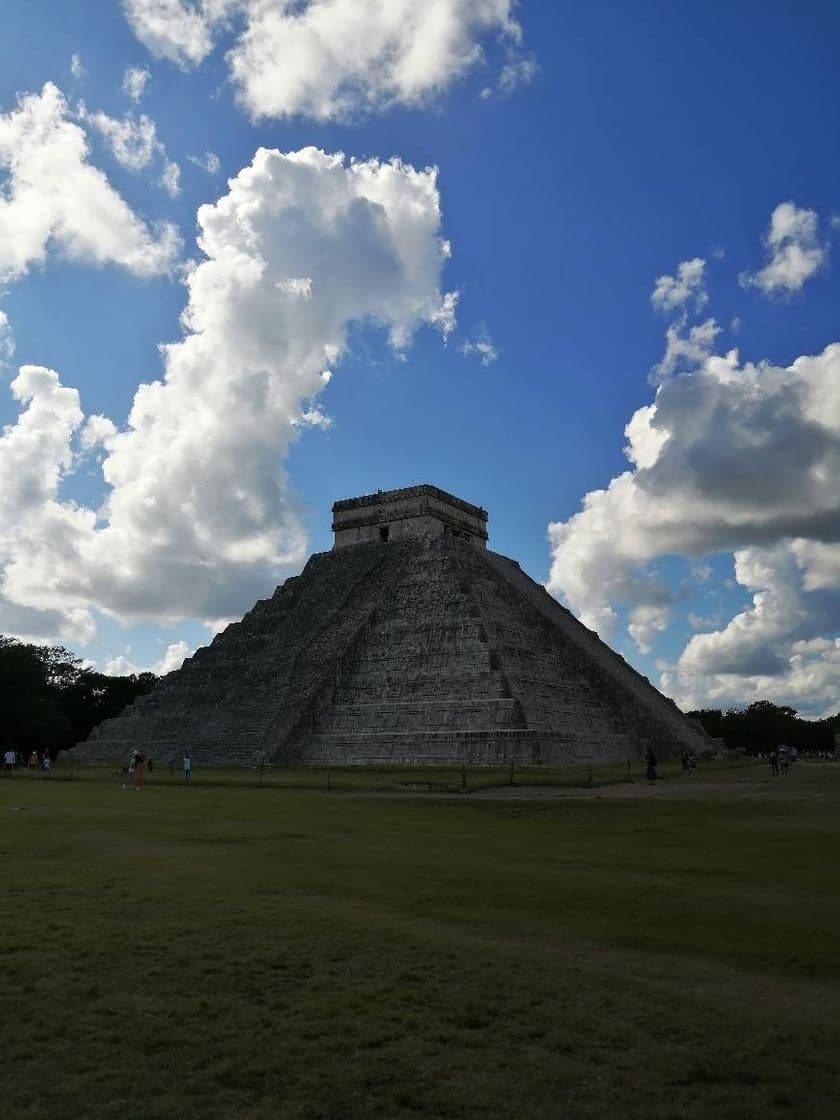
(424, 682)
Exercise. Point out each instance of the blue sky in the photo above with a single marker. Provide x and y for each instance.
(606, 173)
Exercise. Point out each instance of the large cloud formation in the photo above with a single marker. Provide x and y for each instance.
(198, 518)
(53, 201)
(730, 458)
(52, 198)
(740, 458)
(330, 58)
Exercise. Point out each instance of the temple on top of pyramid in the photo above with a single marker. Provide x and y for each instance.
(414, 511)
(409, 641)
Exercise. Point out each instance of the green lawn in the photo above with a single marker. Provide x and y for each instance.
(226, 950)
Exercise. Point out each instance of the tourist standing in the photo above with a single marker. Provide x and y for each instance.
(774, 760)
(9, 759)
(46, 763)
(187, 766)
(651, 762)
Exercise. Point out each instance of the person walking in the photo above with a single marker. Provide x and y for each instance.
(187, 767)
(139, 770)
(135, 770)
(651, 763)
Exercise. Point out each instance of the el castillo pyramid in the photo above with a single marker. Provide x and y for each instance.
(409, 642)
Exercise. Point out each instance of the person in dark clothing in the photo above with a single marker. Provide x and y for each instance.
(774, 761)
(651, 763)
(137, 770)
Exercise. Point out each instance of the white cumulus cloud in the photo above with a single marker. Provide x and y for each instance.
(685, 347)
(782, 645)
(731, 458)
(331, 58)
(794, 250)
(646, 622)
(51, 197)
(671, 293)
(173, 658)
(199, 518)
(135, 145)
(180, 30)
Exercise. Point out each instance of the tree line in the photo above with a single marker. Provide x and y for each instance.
(51, 700)
(763, 725)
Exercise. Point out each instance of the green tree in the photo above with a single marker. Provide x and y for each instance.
(51, 700)
(763, 725)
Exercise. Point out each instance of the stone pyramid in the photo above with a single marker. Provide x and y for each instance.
(409, 642)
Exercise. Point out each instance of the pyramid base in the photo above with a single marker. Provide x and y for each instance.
(471, 748)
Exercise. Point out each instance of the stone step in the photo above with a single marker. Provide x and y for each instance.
(373, 689)
(438, 715)
(414, 630)
(410, 706)
(423, 663)
(372, 673)
(490, 747)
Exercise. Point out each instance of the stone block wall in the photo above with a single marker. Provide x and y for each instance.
(415, 511)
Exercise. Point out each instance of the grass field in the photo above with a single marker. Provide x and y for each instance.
(226, 950)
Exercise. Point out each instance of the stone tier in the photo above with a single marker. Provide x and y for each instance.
(481, 747)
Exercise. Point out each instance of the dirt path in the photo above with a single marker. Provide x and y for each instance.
(678, 789)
